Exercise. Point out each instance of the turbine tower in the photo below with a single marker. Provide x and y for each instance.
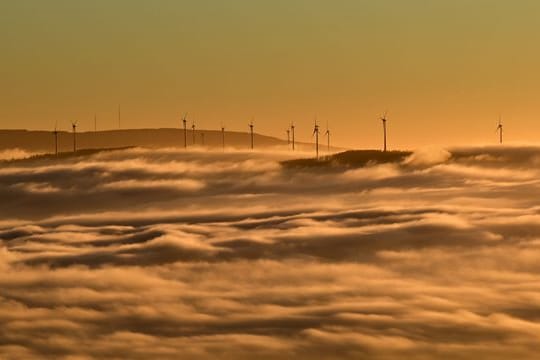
(184, 121)
(383, 119)
(251, 133)
(292, 133)
(289, 137)
(74, 128)
(193, 131)
(327, 134)
(223, 136)
(316, 133)
(55, 132)
(500, 130)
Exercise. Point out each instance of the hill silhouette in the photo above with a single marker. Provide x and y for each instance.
(351, 158)
(61, 155)
(43, 141)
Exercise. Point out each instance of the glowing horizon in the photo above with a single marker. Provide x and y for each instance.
(445, 71)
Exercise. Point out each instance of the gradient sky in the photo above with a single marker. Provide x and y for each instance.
(444, 70)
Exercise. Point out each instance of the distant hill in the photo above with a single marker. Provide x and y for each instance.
(352, 158)
(38, 158)
(43, 141)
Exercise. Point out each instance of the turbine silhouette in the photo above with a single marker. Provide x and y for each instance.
(223, 136)
(500, 130)
(193, 131)
(251, 133)
(55, 132)
(288, 136)
(327, 134)
(383, 119)
(292, 133)
(316, 134)
(184, 121)
(74, 128)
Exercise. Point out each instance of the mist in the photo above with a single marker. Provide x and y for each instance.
(167, 253)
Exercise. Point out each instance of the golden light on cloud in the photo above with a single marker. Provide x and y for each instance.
(201, 254)
(289, 179)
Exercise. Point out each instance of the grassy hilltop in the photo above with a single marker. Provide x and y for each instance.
(352, 158)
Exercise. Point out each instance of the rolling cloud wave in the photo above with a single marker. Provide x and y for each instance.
(166, 254)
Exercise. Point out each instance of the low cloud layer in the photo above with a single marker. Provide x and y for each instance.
(165, 254)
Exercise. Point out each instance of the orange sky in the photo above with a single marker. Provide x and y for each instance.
(444, 70)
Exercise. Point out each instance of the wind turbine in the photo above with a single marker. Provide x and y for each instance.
(74, 128)
(383, 119)
(288, 136)
(500, 130)
(119, 117)
(292, 133)
(184, 121)
(55, 132)
(223, 136)
(251, 132)
(327, 134)
(193, 131)
(316, 133)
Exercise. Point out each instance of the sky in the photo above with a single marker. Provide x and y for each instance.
(444, 70)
